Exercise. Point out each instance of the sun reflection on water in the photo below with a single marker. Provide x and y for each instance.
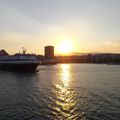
(64, 104)
(65, 76)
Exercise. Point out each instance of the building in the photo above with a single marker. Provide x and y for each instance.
(49, 52)
(3, 53)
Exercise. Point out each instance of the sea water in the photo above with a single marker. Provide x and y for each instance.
(61, 92)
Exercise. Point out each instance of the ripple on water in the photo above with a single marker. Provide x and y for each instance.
(61, 92)
(63, 105)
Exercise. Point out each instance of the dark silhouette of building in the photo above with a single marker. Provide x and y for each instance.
(49, 52)
(3, 53)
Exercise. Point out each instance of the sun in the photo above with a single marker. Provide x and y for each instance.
(65, 47)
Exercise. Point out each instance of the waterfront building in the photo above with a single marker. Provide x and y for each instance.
(3, 53)
(49, 52)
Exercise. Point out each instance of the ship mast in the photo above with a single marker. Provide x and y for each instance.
(24, 50)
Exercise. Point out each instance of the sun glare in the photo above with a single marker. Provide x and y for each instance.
(65, 47)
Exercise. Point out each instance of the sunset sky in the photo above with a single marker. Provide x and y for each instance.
(89, 25)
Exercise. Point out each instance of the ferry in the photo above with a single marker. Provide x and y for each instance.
(19, 62)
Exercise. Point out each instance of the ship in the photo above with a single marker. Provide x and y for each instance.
(19, 62)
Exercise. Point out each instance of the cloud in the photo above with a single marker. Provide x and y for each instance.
(116, 42)
(113, 42)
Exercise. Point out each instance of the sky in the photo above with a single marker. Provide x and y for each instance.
(93, 26)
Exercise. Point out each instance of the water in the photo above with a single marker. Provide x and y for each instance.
(61, 92)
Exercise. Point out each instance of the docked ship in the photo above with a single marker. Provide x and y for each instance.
(18, 62)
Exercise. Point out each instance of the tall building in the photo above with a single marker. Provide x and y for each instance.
(49, 52)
